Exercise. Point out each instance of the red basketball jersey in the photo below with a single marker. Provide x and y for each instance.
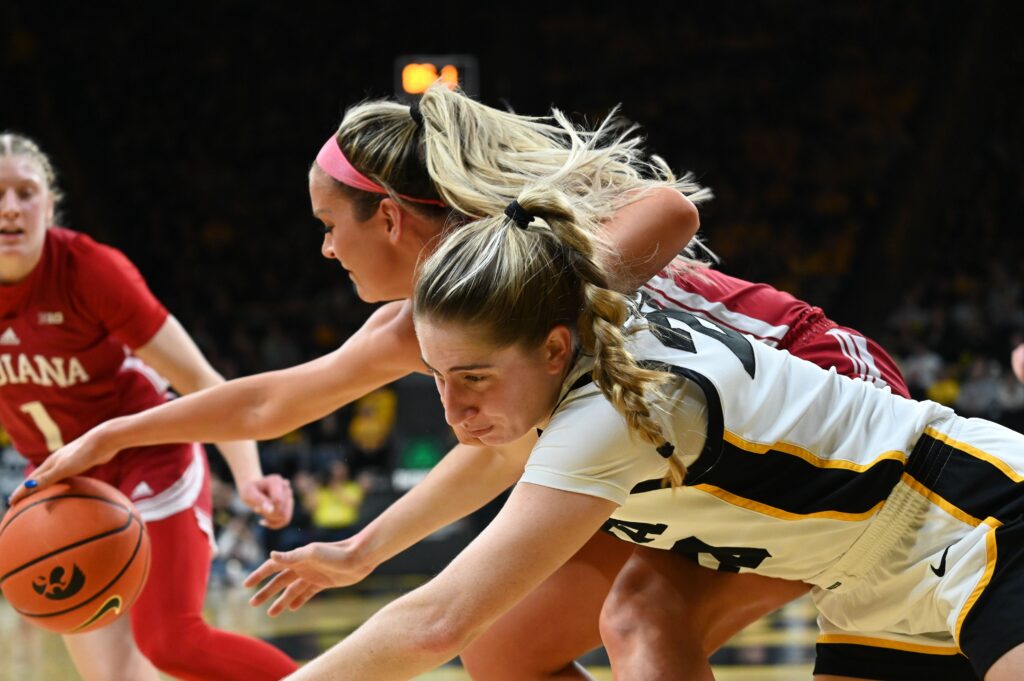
(759, 310)
(778, 319)
(66, 332)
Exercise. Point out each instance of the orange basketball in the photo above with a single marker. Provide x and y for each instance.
(73, 557)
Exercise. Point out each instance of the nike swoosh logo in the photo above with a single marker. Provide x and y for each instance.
(941, 570)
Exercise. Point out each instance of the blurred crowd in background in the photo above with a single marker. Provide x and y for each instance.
(866, 157)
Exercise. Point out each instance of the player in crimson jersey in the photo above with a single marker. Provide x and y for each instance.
(777, 319)
(382, 210)
(83, 340)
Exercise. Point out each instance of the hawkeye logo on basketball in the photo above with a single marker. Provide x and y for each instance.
(15, 369)
(56, 587)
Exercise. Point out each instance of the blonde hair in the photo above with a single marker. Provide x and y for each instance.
(514, 284)
(477, 159)
(15, 144)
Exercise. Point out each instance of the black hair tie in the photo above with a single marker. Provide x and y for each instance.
(415, 114)
(666, 450)
(518, 215)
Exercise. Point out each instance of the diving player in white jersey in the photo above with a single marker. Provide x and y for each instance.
(904, 516)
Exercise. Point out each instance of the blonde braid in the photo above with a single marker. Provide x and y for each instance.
(627, 385)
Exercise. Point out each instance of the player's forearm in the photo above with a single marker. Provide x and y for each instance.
(647, 234)
(465, 479)
(243, 459)
(257, 407)
(271, 404)
(241, 456)
(374, 652)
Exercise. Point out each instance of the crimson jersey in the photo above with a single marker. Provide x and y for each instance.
(777, 319)
(66, 332)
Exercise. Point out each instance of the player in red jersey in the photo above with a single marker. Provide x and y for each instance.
(777, 319)
(83, 340)
(381, 213)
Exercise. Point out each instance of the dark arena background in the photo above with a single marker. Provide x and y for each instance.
(865, 156)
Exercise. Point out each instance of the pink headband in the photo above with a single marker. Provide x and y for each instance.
(333, 162)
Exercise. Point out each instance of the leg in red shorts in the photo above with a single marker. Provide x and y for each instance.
(853, 355)
(167, 619)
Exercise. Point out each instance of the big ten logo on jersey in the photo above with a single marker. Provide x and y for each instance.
(51, 318)
(58, 371)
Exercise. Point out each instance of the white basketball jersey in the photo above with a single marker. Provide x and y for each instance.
(796, 464)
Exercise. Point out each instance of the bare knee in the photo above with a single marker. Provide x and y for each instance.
(623, 613)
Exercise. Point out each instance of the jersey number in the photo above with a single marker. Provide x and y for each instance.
(636, 532)
(680, 339)
(45, 423)
(730, 558)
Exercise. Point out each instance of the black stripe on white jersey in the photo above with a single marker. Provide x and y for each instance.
(755, 476)
(807, 488)
(971, 484)
(711, 453)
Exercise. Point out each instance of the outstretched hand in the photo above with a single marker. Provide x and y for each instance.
(72, 459)
(301, 574)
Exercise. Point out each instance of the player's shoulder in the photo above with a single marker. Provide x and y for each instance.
(80, 244)
(76, 246)
(91, 258)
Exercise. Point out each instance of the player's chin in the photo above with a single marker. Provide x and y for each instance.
(465, 438)
(478, 439)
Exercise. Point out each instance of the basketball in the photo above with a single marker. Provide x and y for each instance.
(73, 557)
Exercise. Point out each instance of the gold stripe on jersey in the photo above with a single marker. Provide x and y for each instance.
(976, 453)
(990, 565)
(810, 457)
(765, 509)
(942, 503)
(888, 643)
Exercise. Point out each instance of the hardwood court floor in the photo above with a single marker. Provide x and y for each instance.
(777, 648)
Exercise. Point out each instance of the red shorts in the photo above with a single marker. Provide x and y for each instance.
(162, 480)
(823, 342)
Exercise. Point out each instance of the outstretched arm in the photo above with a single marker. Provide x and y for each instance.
(465, 479)
(537, 531)
(256, 407)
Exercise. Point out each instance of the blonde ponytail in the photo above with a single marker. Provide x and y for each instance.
(477, 159)
(515, 282)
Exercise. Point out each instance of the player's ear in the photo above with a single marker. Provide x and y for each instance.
(392, 213)
(51, 208)
(557, 349)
